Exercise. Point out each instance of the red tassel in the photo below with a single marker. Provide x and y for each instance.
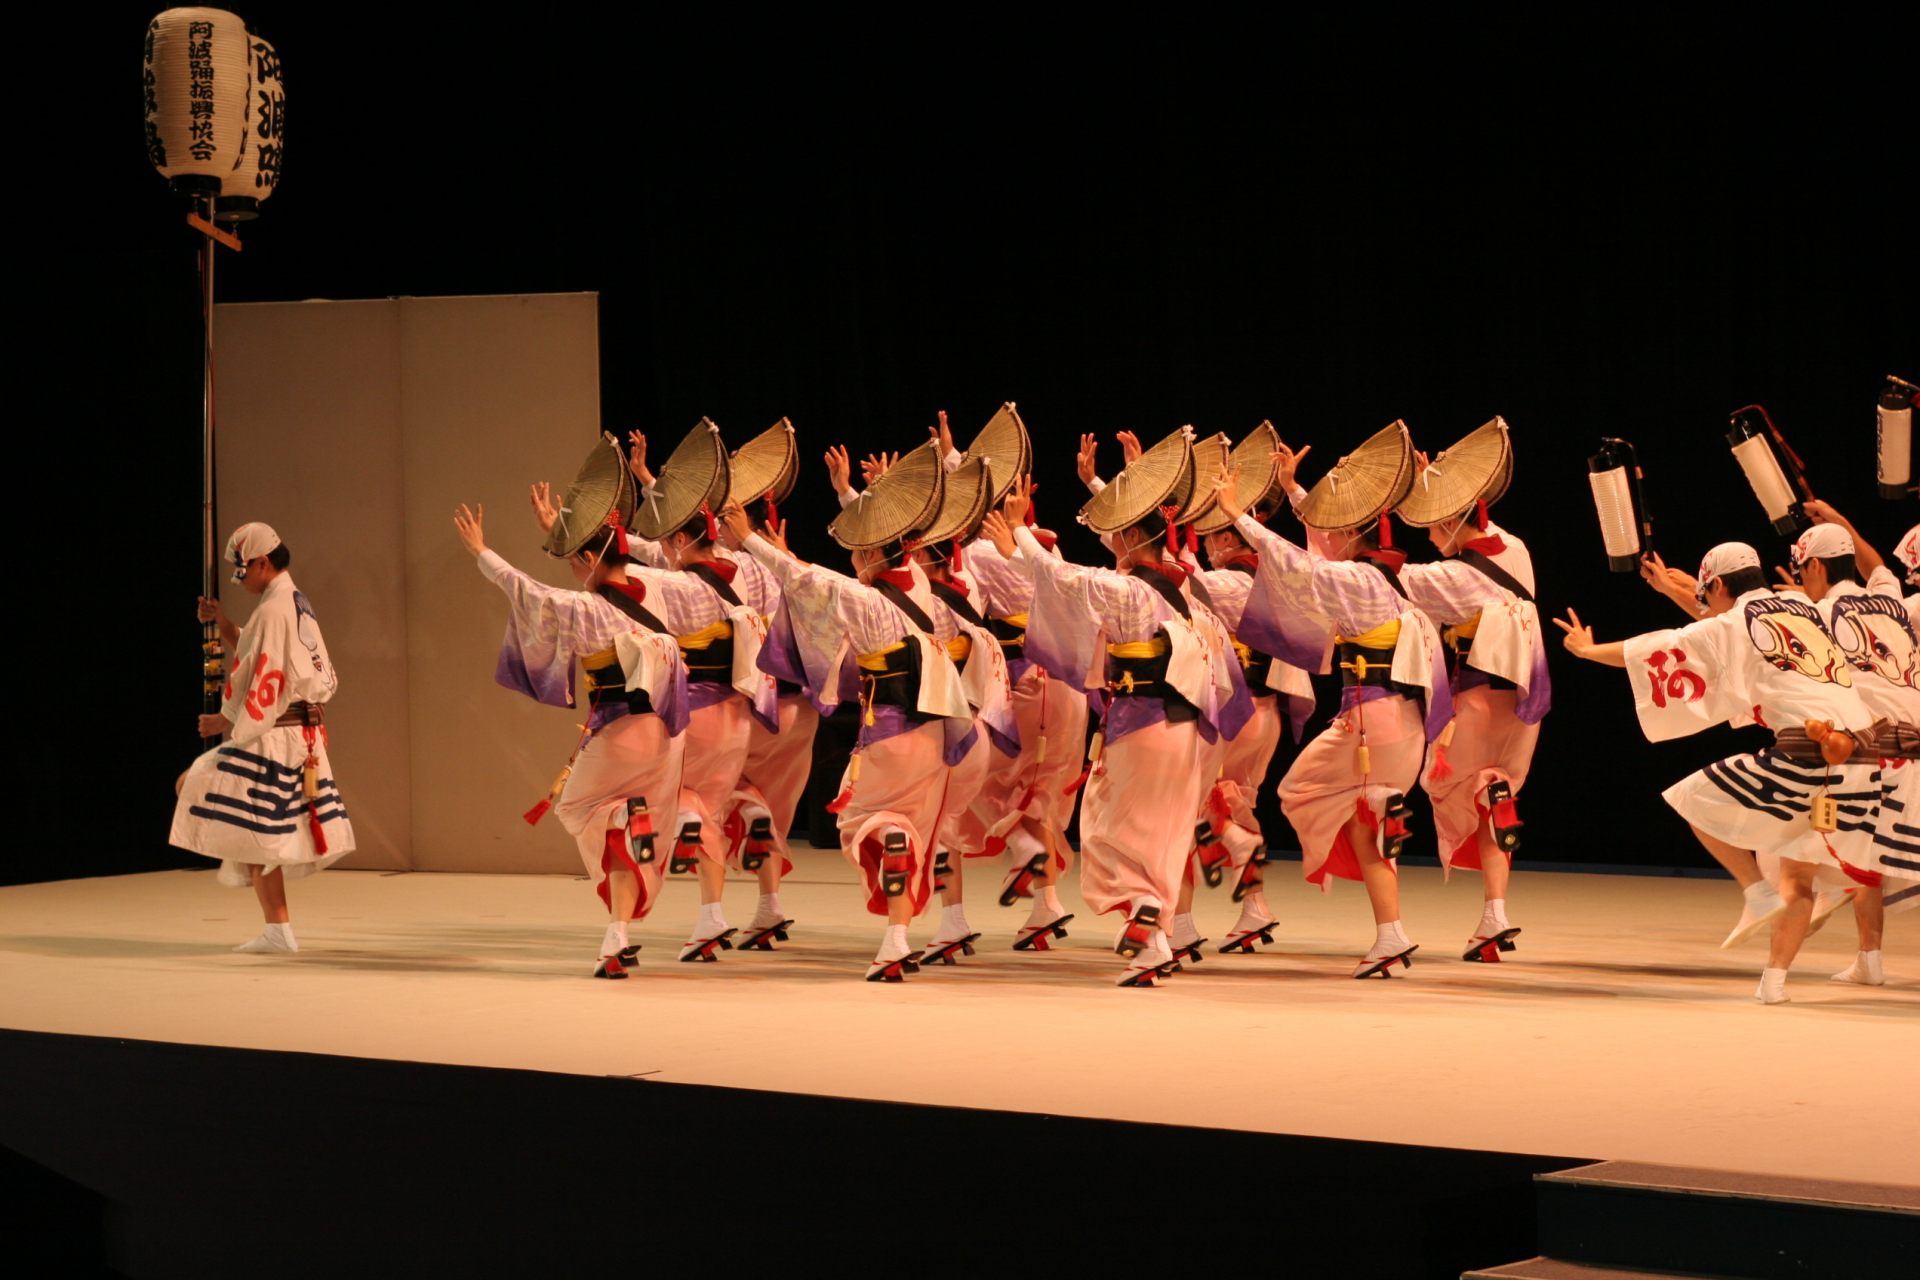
(1219, 812)
(1026, 801)
(713, 526)
(958, 564)
(1480, 512)
(1077, 783)
(1386, 532)
(538, 812)
(773, 513)
(841, 801)
(319, 836)
(1033, 517)
(1442, 767)
(620, 538)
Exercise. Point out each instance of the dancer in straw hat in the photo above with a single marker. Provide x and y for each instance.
(877, 636)
(1758, 656)
(264, 802)
(1345, 794)
(1481, 594)
(1281, 696)
(716, 609)
(1024, 804)
(733, 669)
(1134, 633)
(628, 762)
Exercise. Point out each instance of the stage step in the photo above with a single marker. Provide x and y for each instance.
(1667, 1220)
(1554, 1269)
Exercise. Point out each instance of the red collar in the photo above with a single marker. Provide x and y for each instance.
(632, 589)
(956, 583)
(1174, 573)
(1387, 559)
(1487, 544)
(1242, 557)
(725, 568)
(901, 578)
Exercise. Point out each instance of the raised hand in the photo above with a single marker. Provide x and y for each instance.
(996, 530)
(839, 470)
(776, 533)
(544, 512)
(1019, 501)
(1579, 637)
(1786, 582)
(1129, 447)
(1286, 464)
(1083, 461)
(1675, 583)
(735, 527)
(875, 465)
(471, 527)
(944, 434)
(1227, 492)
(637, 459)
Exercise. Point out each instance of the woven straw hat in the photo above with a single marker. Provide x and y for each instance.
(1199, 493)
(1256, 479)
(1154, 480)
(1480, 466)
(765, 466)
(694, 474)
(1365, 485)
(905, 500)
(1004, 443)
(963, 506)
(602, 488)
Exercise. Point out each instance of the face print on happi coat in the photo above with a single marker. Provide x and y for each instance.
(1790, 635)
(1876, 636)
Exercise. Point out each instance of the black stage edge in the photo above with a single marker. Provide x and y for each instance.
(172, 1159)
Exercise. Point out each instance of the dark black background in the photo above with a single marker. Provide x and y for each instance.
(1617, 229)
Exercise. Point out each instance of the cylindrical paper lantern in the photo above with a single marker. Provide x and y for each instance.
(258, 172)
(1895, 427)
(197, 69)
(1625, 529)
(1749, 436)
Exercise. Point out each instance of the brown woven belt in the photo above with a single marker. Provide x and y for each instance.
(1887, 740)
(301, 714)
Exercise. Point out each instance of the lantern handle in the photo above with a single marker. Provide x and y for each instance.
(207, 229)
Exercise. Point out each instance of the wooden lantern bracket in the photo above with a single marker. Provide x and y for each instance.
(214, 233)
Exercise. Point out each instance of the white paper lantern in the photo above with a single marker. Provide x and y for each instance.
(197, 71)
(258, 172)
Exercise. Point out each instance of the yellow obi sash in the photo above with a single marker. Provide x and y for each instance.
(1459, 637)
(706, 638)
(876, 662)
(1384, 638)
(603, 670)
(1139, 662)
(1244, 653)
(960, 648)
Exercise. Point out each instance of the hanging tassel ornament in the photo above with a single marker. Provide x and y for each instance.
(773, 513)
(532, 816)
(1094, 751)
(713, 526)
(1442, 767)
(959, 565)
(1480, 514)
(839, 803)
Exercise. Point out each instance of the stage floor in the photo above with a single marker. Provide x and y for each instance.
(1619, 1030)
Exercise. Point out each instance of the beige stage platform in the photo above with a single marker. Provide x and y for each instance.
(1619, 1030)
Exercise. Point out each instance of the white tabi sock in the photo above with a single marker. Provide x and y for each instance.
(894, 943)
(767, 912)
(953, 922)
(1864, 970)
(1254, 913)
(1184, 932)
(1773, 987)
(273, 938)
(1046, 908)
(713, 921)
(1391, 935)
(1493, 917)
(615, 939)
(1051, 896)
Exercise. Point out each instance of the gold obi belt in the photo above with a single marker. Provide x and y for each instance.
(1367, 659)
(960, 648)
(709, 652)
(1257, 665)
(607, 682)
(1010, 631)
(1138, 664)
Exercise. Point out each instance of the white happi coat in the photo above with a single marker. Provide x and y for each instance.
(245, 800)
(1769, 660)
